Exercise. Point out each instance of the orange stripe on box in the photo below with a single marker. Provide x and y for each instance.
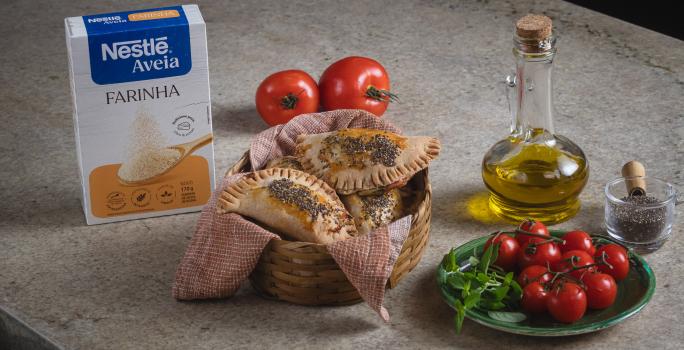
(150, 15)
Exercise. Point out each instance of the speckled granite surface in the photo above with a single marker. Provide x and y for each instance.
(618, 95)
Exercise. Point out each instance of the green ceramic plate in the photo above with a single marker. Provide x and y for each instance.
(634, 292)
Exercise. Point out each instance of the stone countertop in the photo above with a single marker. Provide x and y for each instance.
(618, 94)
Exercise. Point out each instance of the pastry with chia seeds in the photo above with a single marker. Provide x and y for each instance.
(353, 160)
(295, 204)
(374, 211)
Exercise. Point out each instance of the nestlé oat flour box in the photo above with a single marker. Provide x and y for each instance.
(142, 112)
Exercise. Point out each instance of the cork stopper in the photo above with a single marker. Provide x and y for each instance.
(534, 27)
(634, 173)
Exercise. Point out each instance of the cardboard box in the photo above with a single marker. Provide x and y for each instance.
(142, 112)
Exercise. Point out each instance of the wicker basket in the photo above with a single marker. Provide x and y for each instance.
(304, 273)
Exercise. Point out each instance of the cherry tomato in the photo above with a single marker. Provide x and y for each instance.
(531, 226)
(534, 298)
(578, 240)
(601, 290)
(534, 252)
(534, 273)
(618, 259)
(508, 251)
(574, 258)
(567, 302)
(285, 95)
(356, 83)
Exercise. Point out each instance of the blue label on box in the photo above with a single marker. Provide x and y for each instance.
(138, 45)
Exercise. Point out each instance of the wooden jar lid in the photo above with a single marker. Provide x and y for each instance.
(634, 173)
(534, 27)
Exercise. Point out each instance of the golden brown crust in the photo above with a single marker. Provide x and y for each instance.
(288, 162)
(298, 204)
(373, 211)
(370, 164)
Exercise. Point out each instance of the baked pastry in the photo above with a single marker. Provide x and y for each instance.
(380, 190)
(292, 202)
(352, 160)
(371, 212)
(288, 162)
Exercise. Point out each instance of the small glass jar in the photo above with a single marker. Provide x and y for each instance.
(643, 223)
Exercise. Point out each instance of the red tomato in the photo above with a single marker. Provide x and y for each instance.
(532, 227)
(534, 298)
(534, 273)
(573, 259)
(601, 290)
(536, 253)
(508, 251)
(567, 302)
(578, 240)
(618, 259)
(285, 95)
(356, 83)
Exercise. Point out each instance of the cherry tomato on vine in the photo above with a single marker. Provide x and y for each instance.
(508, 251)
(566, 302)
(356, 83)
(285, 95)
(618, 259)
(534, 273)
(538, 252)
(578, 240)
(531, 226)
(601, 290)
(573, 259)
(534, 298)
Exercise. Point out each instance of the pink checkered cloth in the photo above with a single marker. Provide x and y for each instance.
(226, 248)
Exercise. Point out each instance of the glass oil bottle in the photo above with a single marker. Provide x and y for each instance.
(534, 172)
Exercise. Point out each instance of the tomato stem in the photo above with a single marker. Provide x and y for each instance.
(289, 101)
(381, 95)
(527, 233)
(496, 235)
(604, 260)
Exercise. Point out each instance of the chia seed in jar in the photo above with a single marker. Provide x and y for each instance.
(637, 221)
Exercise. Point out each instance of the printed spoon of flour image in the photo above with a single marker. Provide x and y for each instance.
(149, 165)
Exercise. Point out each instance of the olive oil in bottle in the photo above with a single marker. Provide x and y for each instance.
(534, 173)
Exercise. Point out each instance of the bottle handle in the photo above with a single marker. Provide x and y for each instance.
(510, 83)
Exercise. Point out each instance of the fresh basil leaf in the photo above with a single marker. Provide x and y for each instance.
(482, 278)
(466, 289)
(487, 257)
(475, 285)
(516, 291)
(471, 301)
(453, 264)
(449, 261)
(456, 280)
(513, 317)
(480, 284)
(478, 290)
(501, 292)
(494, 256)
(508, 278)
(474, 261)
(460, 315)
(492, 305)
